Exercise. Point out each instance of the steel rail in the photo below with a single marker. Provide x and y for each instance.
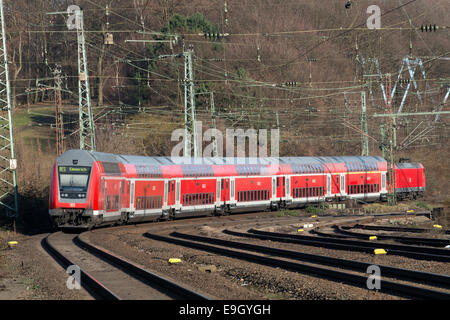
(350, 278)
(422, 253)
(88, 282)
(400, 273)
(411, 240)
(175, 290)
(398, 229)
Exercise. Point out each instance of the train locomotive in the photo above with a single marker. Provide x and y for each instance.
(90, 189)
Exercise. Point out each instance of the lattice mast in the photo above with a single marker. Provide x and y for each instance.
(87, 126)
(391, 195)
(190, 142)
(8, 163)
(59, 124)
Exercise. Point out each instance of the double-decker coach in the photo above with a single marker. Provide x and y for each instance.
(91, 188)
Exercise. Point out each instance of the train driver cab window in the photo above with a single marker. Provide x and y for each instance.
(73, 181)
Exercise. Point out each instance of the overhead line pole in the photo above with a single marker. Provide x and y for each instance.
(365, 138)
(8, 162)
(87, 126)
(190, 141)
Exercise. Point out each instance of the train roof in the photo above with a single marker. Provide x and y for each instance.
(164, 161)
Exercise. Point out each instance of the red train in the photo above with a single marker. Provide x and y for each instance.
(93, 188)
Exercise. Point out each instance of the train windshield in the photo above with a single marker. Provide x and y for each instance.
(73, 178)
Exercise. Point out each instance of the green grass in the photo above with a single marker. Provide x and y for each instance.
(21, 119)
(423, 205)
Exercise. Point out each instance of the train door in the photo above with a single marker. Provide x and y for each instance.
(329, 185)
(112, 195)
(171, 193)
(225, 189)
(383, 182)
(218, 191)
(288, 186)
(132, 196)
(166, 193)
(232, 192)
(274, 188)
(177, 193)
(281, 187)
(343, 192)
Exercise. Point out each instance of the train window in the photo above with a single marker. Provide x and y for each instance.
(251, 195)
(204, 198)
(259, 194)
(278, 182)
(221, 185)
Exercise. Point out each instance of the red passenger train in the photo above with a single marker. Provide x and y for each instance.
(92, 188)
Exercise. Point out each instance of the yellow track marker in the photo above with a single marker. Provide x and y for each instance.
(313, 216)
(373, 238)
(438, 226)
(174, 260)
(379, 251)
(300, 230)
(12, 243)
(409, 211)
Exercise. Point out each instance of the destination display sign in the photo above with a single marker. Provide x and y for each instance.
(63, 169)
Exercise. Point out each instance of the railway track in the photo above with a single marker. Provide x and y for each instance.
(107, 276)
(326, 240)
(346, 230)
(222, 247)
(395, 229)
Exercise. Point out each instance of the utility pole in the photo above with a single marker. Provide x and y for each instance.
(8, 161)
(190, 141)
(213, 120)
(391, 195)
(87, 126)
(59, 124)
(364, 129)
(189, 107)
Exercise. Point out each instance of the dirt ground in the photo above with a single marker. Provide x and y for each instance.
(27, 272)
